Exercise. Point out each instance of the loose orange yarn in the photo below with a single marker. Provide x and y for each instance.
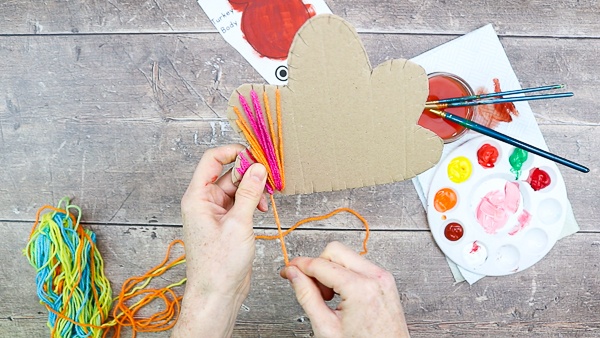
(281, 234)
(320, 218)
(134, 288)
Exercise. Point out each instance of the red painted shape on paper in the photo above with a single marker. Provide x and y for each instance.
(269, 26)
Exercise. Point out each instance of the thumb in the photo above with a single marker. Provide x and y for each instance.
(310, 298)
(248, 193)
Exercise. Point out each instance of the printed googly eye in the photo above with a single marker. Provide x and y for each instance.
(281, 73)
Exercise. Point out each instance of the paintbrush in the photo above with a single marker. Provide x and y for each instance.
(465, 102)
(507, 139)
(497, 94)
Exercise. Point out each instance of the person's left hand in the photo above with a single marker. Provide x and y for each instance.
(219, 243)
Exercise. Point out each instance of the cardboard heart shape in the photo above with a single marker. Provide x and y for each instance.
(346, 125)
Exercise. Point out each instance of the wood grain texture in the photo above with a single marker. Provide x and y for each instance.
(112, 120)
(567, 18)
(535, 302)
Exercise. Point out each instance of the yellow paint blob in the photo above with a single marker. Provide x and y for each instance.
(459, 169)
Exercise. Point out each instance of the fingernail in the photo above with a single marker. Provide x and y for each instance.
(291, 274)
(258, 172)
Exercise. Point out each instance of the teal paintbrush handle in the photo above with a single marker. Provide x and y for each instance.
(497, 94)
(510, 99)
(512, 141)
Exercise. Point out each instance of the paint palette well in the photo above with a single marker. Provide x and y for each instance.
(494, 209)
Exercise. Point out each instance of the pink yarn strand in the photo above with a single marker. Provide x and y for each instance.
(246, 160)
(269, 147)
(259, 127)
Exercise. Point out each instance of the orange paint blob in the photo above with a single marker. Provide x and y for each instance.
(445, 86)
(444, 200)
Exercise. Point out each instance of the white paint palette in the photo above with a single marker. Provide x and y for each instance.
(488, 220)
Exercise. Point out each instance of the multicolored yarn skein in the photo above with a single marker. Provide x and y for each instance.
(70, 273)
(71, 283)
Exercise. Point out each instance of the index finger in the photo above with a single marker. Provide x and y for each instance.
(348, 258)
(330, 274)
(211, 164)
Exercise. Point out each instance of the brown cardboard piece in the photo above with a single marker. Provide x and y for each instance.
(346, 125)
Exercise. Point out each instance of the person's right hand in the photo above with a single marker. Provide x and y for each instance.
(370, 304)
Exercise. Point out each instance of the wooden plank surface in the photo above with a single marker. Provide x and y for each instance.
(566, 18)
(113, 103)
(88, 98)
(535, 302)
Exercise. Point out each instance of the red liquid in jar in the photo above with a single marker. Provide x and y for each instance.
(444, 87)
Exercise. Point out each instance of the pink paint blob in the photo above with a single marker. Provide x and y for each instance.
(497, 206)
(522, 221)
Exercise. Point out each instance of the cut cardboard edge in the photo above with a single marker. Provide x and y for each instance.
(391, 174)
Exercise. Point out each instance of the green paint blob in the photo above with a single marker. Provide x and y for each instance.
(516, 160)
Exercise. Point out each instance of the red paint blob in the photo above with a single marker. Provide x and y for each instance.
(453, 231)
(538, 179)
(269, 26)
(487, 155)
(475, 247)
(443, 87)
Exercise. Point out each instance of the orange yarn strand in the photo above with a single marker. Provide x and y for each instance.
(134, 288)
(279, 136)
(271, 129)
(275, 138)
(39, 213)
(319, 218)
(280, 234)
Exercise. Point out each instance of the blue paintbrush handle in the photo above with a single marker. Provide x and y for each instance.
(510, 99)
(497, 94)
(512, 141)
